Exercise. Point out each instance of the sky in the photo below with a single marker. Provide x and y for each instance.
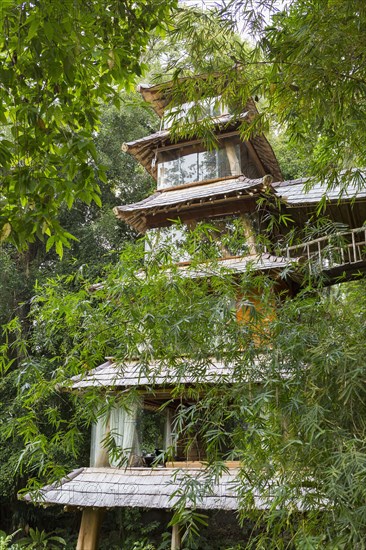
(237, 9)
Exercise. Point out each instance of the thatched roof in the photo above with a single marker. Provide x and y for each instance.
(135, 487)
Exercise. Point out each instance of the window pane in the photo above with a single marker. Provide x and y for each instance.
(210, 107)
(207, 166)
(169, 173)
(193, 163)
(220, 237)
(189, 168)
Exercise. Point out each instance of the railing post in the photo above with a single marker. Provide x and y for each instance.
(341, 248)
(308, 255)
(337, 249)
(354, 247)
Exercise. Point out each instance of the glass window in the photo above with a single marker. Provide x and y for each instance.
(230, 236)
(193, 163)
(222, 237)
(167, 243)
(209, 107)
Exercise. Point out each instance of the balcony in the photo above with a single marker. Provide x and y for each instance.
(339, 256)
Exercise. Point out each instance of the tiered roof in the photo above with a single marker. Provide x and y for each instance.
(161, 374)
(303, 191)
(239, 194)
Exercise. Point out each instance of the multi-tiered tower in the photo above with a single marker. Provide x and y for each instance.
(221, 185)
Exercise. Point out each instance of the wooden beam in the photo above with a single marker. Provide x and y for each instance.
(234, 205)
(101, 458)
(180, 144)
(255, 158)
(249, 234)
(91, 522)
(198, 183)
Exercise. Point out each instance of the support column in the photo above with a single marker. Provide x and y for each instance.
(91, 520)
(176, 540)
(89, 529)
(249, 234)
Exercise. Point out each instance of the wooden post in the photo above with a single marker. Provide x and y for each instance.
(91, 519)
(175, 538)
(89, 529)
(249, 234)
(233, 159)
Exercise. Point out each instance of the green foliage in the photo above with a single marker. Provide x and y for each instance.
(294, 161)
(305, 69)
(100, 238)
(6, 541)
(296, 421)
(59, 63)
(40, 539)
(211, 47)
(143, 545)
(316, 80)
(126, 528)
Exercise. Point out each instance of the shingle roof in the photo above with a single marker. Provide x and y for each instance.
(235, 264)
(135, 487)
(293, 192)
(162, 135)
(240, 264)
(238, 186)
(134, 373)
(170, 200)
(160, 488)
(161, 373)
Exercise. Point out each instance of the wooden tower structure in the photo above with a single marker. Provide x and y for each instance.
(218, 186)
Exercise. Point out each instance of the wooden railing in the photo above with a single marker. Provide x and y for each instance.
(330, 251)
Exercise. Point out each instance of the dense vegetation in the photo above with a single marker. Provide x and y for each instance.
(60, 62)
(100, 239)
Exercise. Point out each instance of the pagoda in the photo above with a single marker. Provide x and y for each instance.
(221, 185)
